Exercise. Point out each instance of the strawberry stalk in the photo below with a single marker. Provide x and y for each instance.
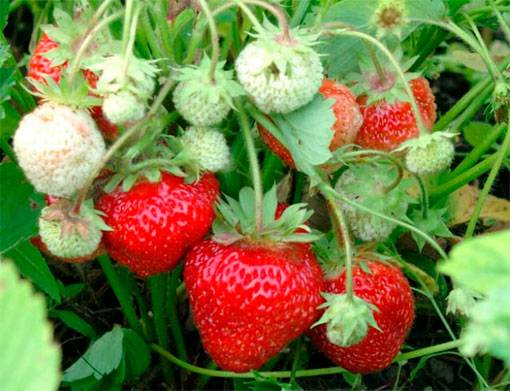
(158, 297)
(254, 164)
(505, 147)
(87, 40)
(121, 293)
(129, 43)
(279, 15)
(442, 347)
(215, 53)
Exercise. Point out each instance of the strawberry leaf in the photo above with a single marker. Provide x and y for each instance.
(307, 133)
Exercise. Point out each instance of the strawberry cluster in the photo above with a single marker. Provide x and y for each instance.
(252, 277)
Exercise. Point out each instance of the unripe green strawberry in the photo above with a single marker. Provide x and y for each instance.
(429, 153)
(370, 186)
(202, 101)
(280, 75)
(66, 236)
(208, 146)
(58, 148)
(122, 107)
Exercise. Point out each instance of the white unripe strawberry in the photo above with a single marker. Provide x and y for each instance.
(280, 76)
(202, 101)
(122, 107)
(58, 148)
(208, 146)
(429, 153)
(369, 185)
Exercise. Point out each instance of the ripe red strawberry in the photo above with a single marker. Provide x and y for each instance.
(249, 300)
(155, 223)
(345, 128)
(387, 289)
(386, 126)
(265, 287)
(39, 67)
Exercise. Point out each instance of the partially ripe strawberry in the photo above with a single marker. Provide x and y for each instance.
(347, 124)
(387, 125)
(386, 288)
(153, 224)
(279, 75)
(78, 242)
(58, 148)
(208, 146)
(40, 67)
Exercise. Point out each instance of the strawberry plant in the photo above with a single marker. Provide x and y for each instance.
(255, 194)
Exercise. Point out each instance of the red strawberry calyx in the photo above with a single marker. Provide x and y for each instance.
(236, 220)
(347, 318)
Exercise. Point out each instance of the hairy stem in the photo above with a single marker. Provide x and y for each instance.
(215, 41)
(254, 164)
(121, 293)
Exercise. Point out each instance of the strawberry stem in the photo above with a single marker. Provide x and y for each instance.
(279, 15)
(377, 64)
(505, 147)
(131, 41)
(215, 41)
(424, 196)
(254, 165)
(442, 347)
(87, 40)
(342, 236)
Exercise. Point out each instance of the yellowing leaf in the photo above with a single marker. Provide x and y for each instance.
(463, 201)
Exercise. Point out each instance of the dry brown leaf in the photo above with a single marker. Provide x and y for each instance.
(463, 201)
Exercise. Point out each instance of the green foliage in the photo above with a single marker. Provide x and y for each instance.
(32, 265)
(116, 356)
(29, 358)
(307, 133)
(20, 207)
(483, 264)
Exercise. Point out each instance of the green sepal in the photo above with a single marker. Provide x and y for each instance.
(94, 216)
(367, 82)
(347, 319)
(236, 220)
(197, 79)
(73, 93)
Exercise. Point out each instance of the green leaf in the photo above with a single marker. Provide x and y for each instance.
(307, 133)
(32, 265)
(29, 358)
(136, 354)
(74, 321)
(4, 13)
(488, 329)
(433, 224)
(482, 263)
(100, 359)
(20, 207)
(476, 132)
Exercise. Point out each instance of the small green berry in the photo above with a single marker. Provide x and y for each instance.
(123, 107)
(208, 146)
(429, 154)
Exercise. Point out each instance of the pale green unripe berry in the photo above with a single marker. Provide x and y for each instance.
(429, 154)
(199, 108)
(68, 246)
(208, 146)
(280, 78)
(123, 107)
